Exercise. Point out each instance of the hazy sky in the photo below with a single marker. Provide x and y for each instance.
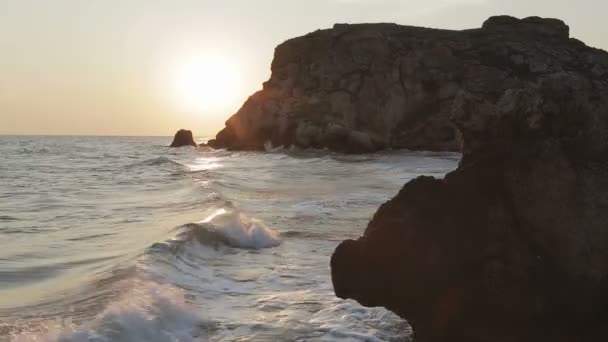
(112, 67)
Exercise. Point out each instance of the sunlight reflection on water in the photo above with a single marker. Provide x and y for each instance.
(241, 239)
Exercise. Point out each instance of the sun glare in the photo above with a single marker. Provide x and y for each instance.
(207, 83)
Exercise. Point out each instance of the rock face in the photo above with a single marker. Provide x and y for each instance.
(355, 88)
(513, 245)
(183, 138)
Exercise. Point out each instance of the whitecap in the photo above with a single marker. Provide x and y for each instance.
(234, 229)
(148, 312)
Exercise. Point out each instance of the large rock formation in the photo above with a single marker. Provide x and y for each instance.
(513, 245)
(355, 88)
(183, 138)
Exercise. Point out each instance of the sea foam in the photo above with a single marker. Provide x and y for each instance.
(235, 229)
(147, 312)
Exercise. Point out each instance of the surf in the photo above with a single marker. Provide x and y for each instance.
(234, 229)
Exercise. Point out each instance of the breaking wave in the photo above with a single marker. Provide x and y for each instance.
(232, 228)
(148, 311)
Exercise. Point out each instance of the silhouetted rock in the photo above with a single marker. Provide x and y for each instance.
(183, 138)
(513, 245)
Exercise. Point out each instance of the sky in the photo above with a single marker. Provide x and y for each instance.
(150, 67)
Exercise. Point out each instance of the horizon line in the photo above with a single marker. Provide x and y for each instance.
(92, 135)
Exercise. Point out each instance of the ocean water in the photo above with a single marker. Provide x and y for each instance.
(124, 239)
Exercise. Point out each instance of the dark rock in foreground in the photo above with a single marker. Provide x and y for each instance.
(183, 138)
(513, 245)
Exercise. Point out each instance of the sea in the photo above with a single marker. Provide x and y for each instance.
(125, 239)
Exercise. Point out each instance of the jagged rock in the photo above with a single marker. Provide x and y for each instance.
(183, 138)
(513, 245)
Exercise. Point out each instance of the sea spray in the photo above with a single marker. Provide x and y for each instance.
(235, 229)
(148, 312)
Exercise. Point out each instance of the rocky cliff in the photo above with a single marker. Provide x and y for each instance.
(355, 88)
(513, 245)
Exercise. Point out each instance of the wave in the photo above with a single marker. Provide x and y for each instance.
(8, 218)
(147, 312)
(295, 150)
(268, 147)
(159, 161)
(309, 235)
(234, 229)
(141, 305)
(155, 162)
(35, 150)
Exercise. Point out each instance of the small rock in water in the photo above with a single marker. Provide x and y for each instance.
(183, 137)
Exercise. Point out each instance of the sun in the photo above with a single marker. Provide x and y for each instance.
(207, 82)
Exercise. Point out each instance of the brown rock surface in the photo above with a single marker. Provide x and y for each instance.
(513, 245)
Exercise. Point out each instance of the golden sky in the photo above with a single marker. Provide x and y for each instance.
(131, 67)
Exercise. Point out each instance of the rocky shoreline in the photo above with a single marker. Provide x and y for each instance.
(513, 245)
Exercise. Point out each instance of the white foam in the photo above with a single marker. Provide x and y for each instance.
(268, 147)
(148, 312)
(347, 320)
(242, 231)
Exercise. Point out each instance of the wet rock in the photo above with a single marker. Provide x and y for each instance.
(183, 138)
